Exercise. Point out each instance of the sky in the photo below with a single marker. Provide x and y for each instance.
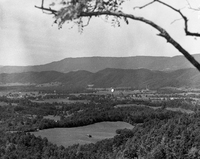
(28, 36)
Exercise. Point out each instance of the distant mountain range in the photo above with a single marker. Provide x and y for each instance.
(136, 78)
(95, 64)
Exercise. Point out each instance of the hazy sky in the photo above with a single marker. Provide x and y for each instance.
(28, 37)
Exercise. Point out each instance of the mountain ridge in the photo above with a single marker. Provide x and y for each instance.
(110, 77)
(97, 63)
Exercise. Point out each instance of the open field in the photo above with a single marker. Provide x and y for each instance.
(129, 105)
(60, 100)
(181, 110)
(52, 117)
(168, 108)
(135, 105)
(70, 136)
(3, 104)
(3, 93)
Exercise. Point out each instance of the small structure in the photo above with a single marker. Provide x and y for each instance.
(89, 135)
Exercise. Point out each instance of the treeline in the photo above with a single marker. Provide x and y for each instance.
(132, 115)
(20, 117)
(77, 114)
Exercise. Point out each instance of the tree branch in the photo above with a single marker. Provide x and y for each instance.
(188, 33)
(185, 19)
(47, 9)
(190, 7)
(88, 22)
(163, 33)
(176, 20)
(141, 7)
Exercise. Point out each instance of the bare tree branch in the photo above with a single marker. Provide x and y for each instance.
(141, 7)
(185, 19)
(88, 22)
(176, 20)
(47, 9)
(190, 7)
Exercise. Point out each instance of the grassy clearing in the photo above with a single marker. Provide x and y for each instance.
(168, 108)
(52, 117)
(135, 105)
(70, 136)
(60, 101)
(129, 105)
(181, 110)
(3, 104)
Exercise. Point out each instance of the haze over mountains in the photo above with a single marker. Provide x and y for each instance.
(94, 64)
(138, 78)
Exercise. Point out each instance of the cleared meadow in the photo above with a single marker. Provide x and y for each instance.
(52, 117)
(70, 136)
(60, 100)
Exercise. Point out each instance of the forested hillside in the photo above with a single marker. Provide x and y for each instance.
(177, 137)
(137, 79)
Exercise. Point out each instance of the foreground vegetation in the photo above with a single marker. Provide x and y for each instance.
(177, 137)
(157, 133)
